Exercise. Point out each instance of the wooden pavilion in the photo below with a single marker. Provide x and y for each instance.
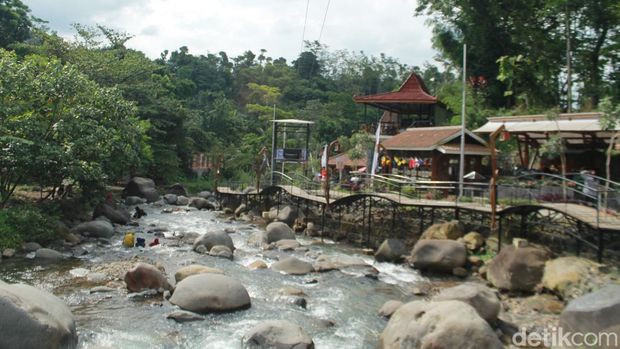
(585, 140)
(410, 106)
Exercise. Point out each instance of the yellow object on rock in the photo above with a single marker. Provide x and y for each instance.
(129, 240)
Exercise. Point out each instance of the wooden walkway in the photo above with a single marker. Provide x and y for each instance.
(585, 214)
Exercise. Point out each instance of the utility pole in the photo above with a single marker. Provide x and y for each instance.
(569, 87)
(462, 150)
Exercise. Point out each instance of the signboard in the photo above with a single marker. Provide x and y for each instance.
(340, 164)
(290, 154)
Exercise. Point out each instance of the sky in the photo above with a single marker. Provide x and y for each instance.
(234, 26)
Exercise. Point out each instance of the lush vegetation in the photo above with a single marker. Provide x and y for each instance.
(89, 111)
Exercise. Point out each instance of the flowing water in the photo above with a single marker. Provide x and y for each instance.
(346, 298)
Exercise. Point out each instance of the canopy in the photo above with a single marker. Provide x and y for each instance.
(575, 128)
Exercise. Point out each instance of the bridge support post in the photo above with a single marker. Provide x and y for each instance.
(456, 213)
(421, 214)
(523, 232)
(363, 219)
(393, 217)
(369, 221)
(432, 216)
(601, 247)
(499, 234)
(323, 222)
(578, 244)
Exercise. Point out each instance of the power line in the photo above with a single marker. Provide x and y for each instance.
(324, 18)
(303, 34)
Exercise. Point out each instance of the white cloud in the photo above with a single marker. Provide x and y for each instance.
(235, 26)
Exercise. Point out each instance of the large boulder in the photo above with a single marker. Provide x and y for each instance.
(48, 254)
(176, 189)
(444, 231)
(483, 299)
(194, 269)
(170, 199)
(34, 246)
(438, 325)
(517, 268)
(391, 250)
(141, 187)
(276, 231)
(568, 276)
(97, 228)
(115, 215)
(202, 204)
(32, 318)
(278, 334)
(214, 238)
(134, 200)
(390, 307)
(285, 214)
(438, 255)
(240, 209)
(325, 263)
(182, 200)
(221, 251)
(210, 293)
(205, 194)
(146, 277)
(286, 244)
(473, 241)
(257, 239)
(292, 265)
(598, 313)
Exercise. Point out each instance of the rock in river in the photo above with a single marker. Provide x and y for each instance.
(517, 268)
(146, 277)
(194, 269)
(597, 312)
(214, 238)
(32, 318)
(141, 187)
(442, 325)
(96, 228)
(438, 255)
(278, 231)
(391, 250)
(210, 293)
(292, 265)
(278, 334)
(485, 300)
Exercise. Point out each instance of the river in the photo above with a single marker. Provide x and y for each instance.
(348, 299)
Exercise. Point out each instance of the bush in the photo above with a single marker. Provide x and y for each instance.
(21, 223)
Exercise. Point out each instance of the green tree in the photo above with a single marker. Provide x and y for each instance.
(16, 22)
(610, 121)
(56, 124)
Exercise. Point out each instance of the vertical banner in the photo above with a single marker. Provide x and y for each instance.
(375, 156)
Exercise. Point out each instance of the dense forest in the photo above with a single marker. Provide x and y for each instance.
(91, 110)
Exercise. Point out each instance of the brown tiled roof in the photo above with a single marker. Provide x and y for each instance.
(347, 161)
(422, 138)
(412, 91)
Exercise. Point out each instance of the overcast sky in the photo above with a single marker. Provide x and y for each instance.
(233, 26)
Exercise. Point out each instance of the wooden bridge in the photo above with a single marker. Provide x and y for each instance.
(368, 218)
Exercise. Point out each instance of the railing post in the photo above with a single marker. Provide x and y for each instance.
(598, 228)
